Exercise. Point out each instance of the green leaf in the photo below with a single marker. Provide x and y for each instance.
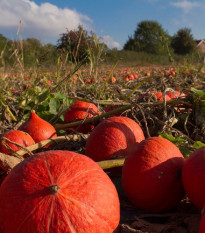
(44, 95)
(185, 151)
(2, 99)
(28, 108)
(171, 138)
(45, 115)
(68, 102)
(60, 95)
(198, 144)
(198, 92)
(38, 89)
(41, 108)
(53, 106)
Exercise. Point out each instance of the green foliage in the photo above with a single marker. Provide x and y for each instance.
(181, 142)
(46, 104)
(78, 44)
(197, 92)
(26, 53)
(198, 144)
(148, 38)
(35, 52)
(128, 58)
(183, 42)
(74, 43)
(5, 53)
(95, 54)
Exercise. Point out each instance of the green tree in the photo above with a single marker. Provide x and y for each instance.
(74, 43)
(148, 37)
(183, 42)
(37, 53)
(77, 44)
(5, 50)
(49, 54)
(32, 49)
(130, 44)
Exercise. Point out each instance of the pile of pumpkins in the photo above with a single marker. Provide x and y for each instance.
(63, 191)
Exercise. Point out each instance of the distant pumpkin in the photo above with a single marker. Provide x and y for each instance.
(81, 110)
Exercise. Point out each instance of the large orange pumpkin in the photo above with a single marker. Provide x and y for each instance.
(58, 192)
(113, 137)
(193, 177)
(151, 175)
(81, 110)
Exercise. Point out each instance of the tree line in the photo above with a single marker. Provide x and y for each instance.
(150, 37)
(77, 45)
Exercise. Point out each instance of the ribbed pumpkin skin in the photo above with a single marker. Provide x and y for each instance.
(113, 137)
(150, 175)
(19, 137)
(193, 177)
(38, 128)
(81, 110)
(87, 200)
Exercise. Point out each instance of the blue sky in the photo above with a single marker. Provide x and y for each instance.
(112, 20)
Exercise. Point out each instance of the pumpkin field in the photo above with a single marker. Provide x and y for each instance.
(104, 149)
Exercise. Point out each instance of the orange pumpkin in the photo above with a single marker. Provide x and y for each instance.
(59, 192)
(81, 110)
(193, 177)
(38, 128)
(151, 175)
(113, 137)
(17, 136)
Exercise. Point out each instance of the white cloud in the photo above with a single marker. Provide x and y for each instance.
(110, 42)
(185, 5)
(45, 21)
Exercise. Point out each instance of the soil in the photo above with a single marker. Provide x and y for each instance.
(185, 218)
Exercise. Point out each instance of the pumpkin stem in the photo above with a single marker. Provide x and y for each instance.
(54, 189)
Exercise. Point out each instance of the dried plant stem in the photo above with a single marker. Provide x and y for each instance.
(176, 130)
(7, 162)
(16, 144)
(39, 145)
(144, 119)
(106, 164)
(76, 68)
(9, 111)
(138, 86)
(8, 148)
(125, 106)
(93, 119)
